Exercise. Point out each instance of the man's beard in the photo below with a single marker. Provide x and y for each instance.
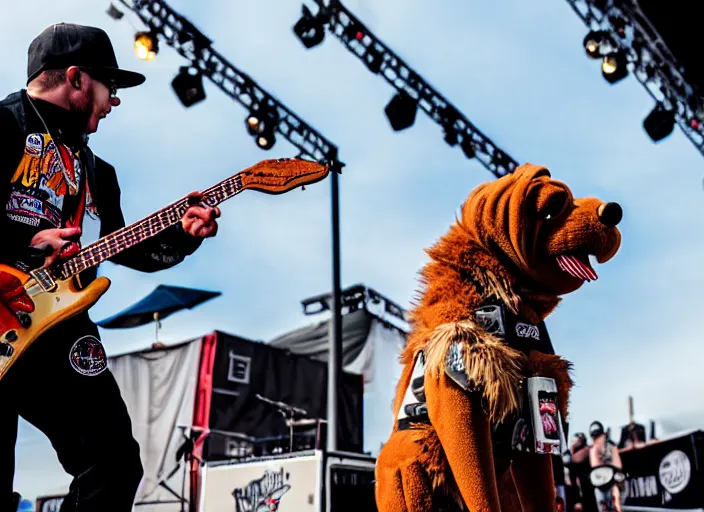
(81, 113)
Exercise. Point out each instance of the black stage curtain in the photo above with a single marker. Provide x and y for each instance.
(243, 369)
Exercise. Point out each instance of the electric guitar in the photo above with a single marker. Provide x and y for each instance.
(54, 294)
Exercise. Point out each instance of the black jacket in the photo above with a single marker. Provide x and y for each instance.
(29, 208)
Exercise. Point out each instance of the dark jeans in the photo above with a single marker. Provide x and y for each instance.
(83, 416)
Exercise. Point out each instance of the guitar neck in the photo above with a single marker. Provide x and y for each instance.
(122, 239)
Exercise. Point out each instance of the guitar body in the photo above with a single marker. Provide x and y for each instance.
(50, 308)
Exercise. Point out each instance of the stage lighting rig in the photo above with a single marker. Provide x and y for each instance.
(176, 31)
(621, 35)
(413, 92)
(354, 298)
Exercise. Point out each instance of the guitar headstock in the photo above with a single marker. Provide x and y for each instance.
(280, 175)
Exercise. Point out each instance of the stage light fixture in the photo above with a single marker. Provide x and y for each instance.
(659, 123)
(614, 67)
(114, 12)
(593, 43)
(468, 148)
(252, 123)
(261, 120)
(146, 45)
(309, 29)
(266, 140)
(401, 111)
(188, 86)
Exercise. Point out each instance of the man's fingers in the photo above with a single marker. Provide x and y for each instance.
(194, 198)
(202, 212)
(69, 232)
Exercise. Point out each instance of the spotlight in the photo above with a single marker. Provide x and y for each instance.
(659, 123)
(261, 120)
(266, 140)
(146, 45)
(261, 123)
(188, 86)
(252, 123)
(593, 43)
(614, 67)
(309, 29)
(401, 111)
(114, 12)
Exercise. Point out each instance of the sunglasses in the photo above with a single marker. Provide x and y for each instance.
(111, 87)
(107, 83)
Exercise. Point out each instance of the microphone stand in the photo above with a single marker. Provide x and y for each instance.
(288, 412)
(185, 452)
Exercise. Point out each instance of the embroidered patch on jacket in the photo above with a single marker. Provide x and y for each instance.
(41, 170)
(87, 356)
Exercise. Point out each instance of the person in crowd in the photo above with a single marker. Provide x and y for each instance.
(604, 451)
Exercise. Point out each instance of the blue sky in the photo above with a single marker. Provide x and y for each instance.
(516, 69)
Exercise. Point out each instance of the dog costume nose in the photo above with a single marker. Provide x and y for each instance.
(610, 214)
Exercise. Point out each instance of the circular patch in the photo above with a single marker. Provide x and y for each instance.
(87, 356)
(675, 471)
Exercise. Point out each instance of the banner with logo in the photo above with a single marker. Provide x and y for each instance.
(665, 474)
(49, 503)
(285, 484)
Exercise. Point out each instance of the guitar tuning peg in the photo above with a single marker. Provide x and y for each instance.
(303, 187)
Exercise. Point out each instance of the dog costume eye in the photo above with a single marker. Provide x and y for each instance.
(551, 203)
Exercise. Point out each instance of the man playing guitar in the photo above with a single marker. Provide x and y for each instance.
(49, 179)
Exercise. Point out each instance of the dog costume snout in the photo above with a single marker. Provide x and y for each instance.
(610, 214)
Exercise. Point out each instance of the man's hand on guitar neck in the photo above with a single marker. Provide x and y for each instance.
(199, 220)
(57, 243)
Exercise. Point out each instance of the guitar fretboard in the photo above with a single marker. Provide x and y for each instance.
(131, 235)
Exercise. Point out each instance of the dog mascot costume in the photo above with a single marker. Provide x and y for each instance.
(481, 400)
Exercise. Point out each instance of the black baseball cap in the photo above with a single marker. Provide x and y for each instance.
(63, 45)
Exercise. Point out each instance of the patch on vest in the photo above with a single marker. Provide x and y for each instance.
(455, 366)
(490, 318)
(87, 356)
(527, 331)
(413, 405)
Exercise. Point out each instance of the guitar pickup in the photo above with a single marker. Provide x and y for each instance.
(6, 349)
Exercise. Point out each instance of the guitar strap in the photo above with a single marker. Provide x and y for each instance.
(75, 218)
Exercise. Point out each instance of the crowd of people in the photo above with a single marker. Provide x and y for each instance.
(582, 458)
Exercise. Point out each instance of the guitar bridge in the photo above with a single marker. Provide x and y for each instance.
(44, 279)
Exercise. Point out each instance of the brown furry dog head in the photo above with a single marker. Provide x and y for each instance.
(544, 236)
